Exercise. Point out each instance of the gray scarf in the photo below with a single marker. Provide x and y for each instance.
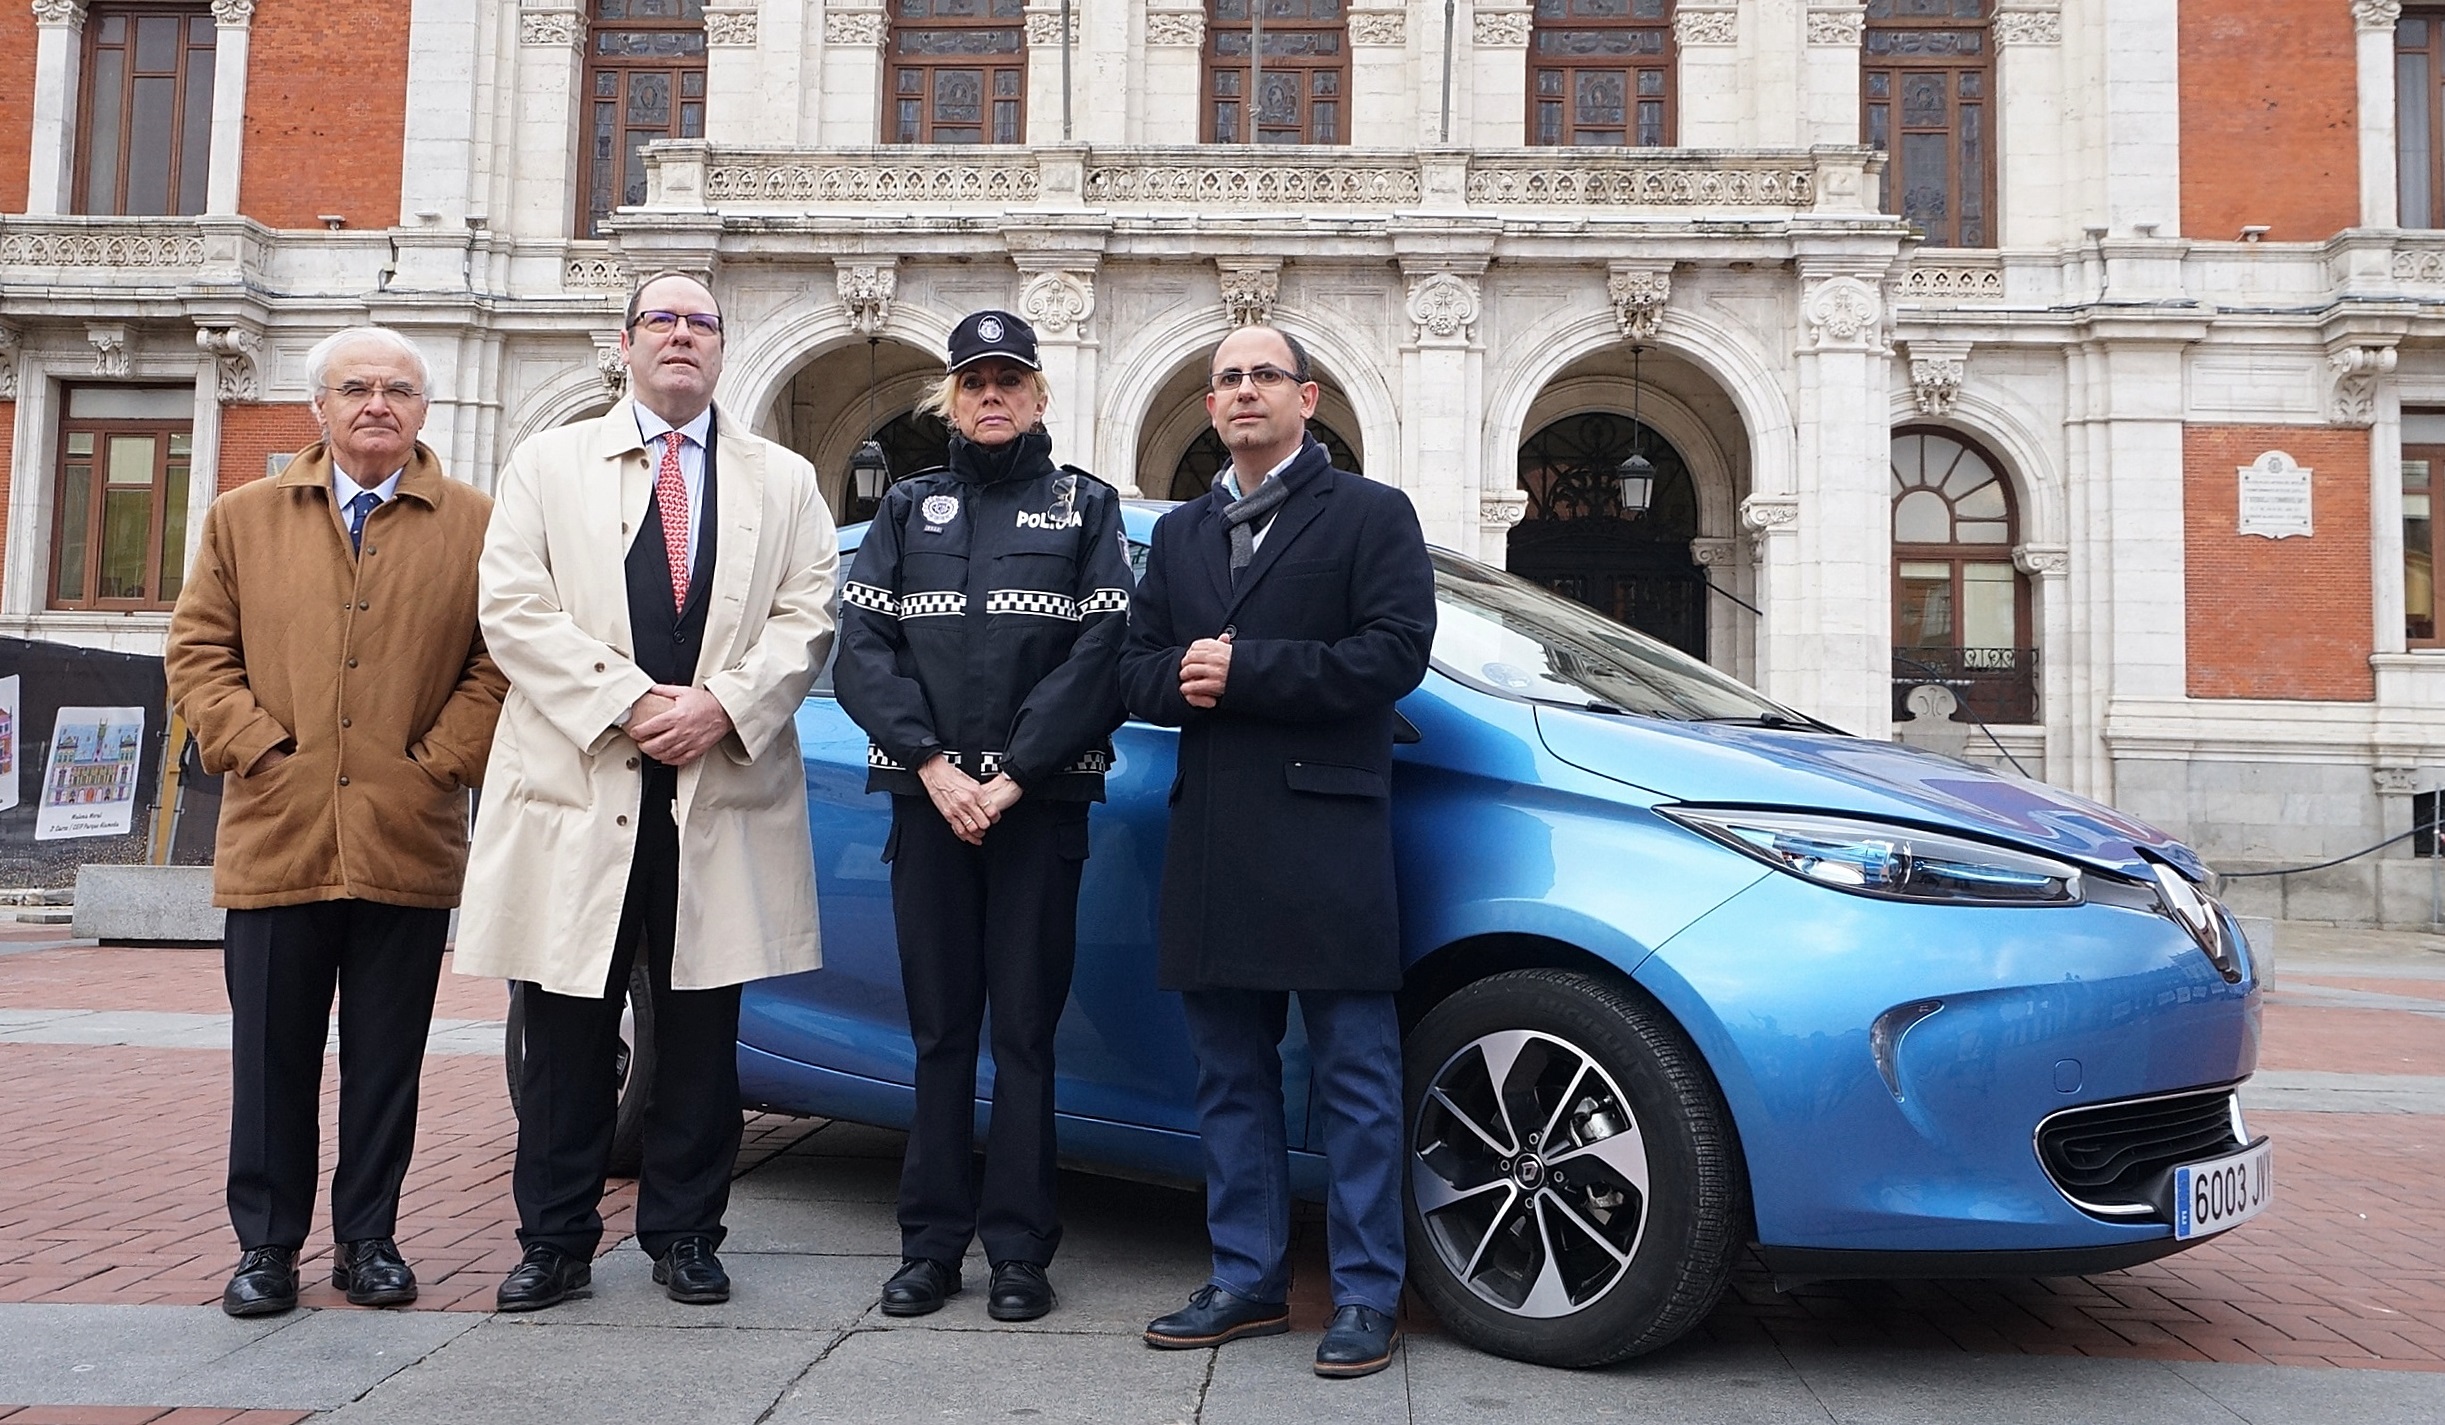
(1245, 515)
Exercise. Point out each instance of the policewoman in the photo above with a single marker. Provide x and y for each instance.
(980, 630)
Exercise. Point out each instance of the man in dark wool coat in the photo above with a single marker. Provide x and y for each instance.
(1282, 615)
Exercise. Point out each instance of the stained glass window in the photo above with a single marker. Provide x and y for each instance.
(1301, 81)
(645, 80)
(958, 72)
(1926, 95)
(1600, 72)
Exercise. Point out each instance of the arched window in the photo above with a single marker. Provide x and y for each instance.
(1302, 85)
(1926, 90)
(1960, 608)
(645, 80)
(958, 72)
(1600, 72)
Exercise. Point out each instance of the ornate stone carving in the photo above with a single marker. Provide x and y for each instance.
(1176, 29)
(1638, 297)
(1935, 381)
(110, 354)
(1843, 312)
(1954, 281)
(1379, 27)
(730, 28)
(1501, 509)
(173, 244)
(2423, 264)
(552, 29)
(611, 364)
(770, 178)
(594, 274)
(867, 289)
(855, 27)
(2357, 370)
(1837, 27)
(2028, 27)
(2376, 14)
(1248, 290)
(233, 14)
(1714, 552)
(70, 13)
(2047, 561)
(1218, 184)
(2395, 781)
(1503, 29)
(1639, 180)
(1044, 29)
(1766, 514)
(8, 362)
(1443, 306)
(232, 349)
(1058, 303)
(1706, 27)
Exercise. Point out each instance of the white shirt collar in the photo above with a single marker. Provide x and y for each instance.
(1231, 472)
(652, 428)
(345, 490)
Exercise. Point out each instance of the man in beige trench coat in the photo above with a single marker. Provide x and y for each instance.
(657, 583)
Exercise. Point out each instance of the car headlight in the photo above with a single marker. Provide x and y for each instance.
(1873, 858)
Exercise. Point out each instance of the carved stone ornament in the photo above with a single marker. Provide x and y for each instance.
(594, 274)
(1638, 301)
(1444, 307)
(1766, 514)
(855, 27)
(1379, 27)
(1044, 29)
(110, 354)
(611, 364)
(1837, 27)
(1249, 290)
(1935, 381)
(59, 12)
(1501, 509)
(1503, 29)
(1058, 303)
(233, 14)
(730, 29)
(2047, 561)
(2357, 370)
(866, 289)
(552, 29)
(1714, 552)
(1706, 27)
(1843, 312)
(2376, 14)
(1176, 29)
(2395, 781)
(2028, 27)
(232, 349)
(9, 336)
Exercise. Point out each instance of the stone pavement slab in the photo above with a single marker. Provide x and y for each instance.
(792, 1292)
(2312, 1091)
(140, 1355)
(532, 1371)
(896, 1377)
(173, 1029)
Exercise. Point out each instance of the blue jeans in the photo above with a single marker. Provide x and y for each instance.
(1355, 1043)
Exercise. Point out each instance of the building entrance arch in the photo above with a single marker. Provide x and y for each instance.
(1576, 540)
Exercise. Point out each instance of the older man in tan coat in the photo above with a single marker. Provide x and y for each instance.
(658, 586)
(326, 654)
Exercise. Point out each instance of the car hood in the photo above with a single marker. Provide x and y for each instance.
(1721, 764)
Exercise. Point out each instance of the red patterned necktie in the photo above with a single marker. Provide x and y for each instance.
(672, 495)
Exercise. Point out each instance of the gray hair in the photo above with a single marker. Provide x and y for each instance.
(318, 361)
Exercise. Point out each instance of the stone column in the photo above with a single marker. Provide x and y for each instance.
(441, 147)
(551, 119)
(2044, 566)
(1844, 529)
(853, 37)
(1382, 107)
(58, 61)
(1829, 73)
(2378, 191)
(233, 24)
(1171, 109)
(2028, 107)
(1712, 98)
(1497, 76)
(735, 111)
(1044, 91)
(1443, 402)
(2142, 101)
(1059, 302)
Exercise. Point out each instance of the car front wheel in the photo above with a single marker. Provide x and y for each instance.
(1575, 1194)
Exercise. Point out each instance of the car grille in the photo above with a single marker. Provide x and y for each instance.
(2117, 1159)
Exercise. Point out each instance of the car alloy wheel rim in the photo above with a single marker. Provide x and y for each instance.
(1530, 1173)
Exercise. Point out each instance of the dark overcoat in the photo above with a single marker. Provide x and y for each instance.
(1278, 874)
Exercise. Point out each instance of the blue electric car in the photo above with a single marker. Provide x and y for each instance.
(1687, 971)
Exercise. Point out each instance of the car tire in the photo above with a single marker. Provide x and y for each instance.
(632, 1064)
(1591, 1210)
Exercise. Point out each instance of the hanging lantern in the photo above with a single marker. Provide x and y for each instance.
(869, 472)
(1636, 474)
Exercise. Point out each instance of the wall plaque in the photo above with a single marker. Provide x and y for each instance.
(2274, 497)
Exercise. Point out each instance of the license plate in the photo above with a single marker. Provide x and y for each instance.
(2223, 1193)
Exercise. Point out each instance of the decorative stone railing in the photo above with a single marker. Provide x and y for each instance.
(174, 244)
(1942, 276)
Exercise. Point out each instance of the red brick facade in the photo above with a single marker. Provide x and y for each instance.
(2270, 119)
(2278, 618)
(16, 103)
(251, 433)
(8, 464)
(326, 113)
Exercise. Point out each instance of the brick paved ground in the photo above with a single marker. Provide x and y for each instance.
(111, 1158)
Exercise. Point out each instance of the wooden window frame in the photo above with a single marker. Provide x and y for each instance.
(1213, 63)
(993, 65)
(1899, 66)
(687, 58)
(1668, 63)
(2430, 25)
(154, 599)
(2435, 456)
(190, 153)
(1958, 554)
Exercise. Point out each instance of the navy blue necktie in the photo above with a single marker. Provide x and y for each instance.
(358, 509)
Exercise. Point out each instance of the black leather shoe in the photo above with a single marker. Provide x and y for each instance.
(265, 1283)
(373, 1273)
(545, 1276)
(1020, 1292)
(1359, 1342)
(691, 1274)
(1214, 1316)
(921, 1285)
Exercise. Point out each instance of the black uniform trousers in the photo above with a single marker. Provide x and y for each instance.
(568, 1098)
(282, 965)
(997, 924)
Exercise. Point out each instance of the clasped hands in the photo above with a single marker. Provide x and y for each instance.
(970, 806)
(1204, 668)
(676, 725)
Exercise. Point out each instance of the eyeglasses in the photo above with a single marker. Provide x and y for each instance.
(664, 323)
(357, 393)
(1266, 378)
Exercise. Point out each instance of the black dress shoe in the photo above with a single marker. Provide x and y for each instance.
(920, 1286)
(1020, 1292)
(265, 1283)
(1214, 1316)
(1359, 1342)
(373, 1273)
(690, 1273)
(545, 1276)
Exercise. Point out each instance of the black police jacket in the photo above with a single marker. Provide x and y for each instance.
(983, 619)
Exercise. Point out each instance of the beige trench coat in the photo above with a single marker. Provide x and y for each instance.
(556, 830)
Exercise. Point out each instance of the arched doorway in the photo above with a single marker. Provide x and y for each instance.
(1576, 541)
(855, 392)
(1206, 456)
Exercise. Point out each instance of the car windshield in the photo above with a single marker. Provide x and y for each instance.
(1502, 633)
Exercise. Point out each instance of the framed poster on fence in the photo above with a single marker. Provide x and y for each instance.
(89, 785)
